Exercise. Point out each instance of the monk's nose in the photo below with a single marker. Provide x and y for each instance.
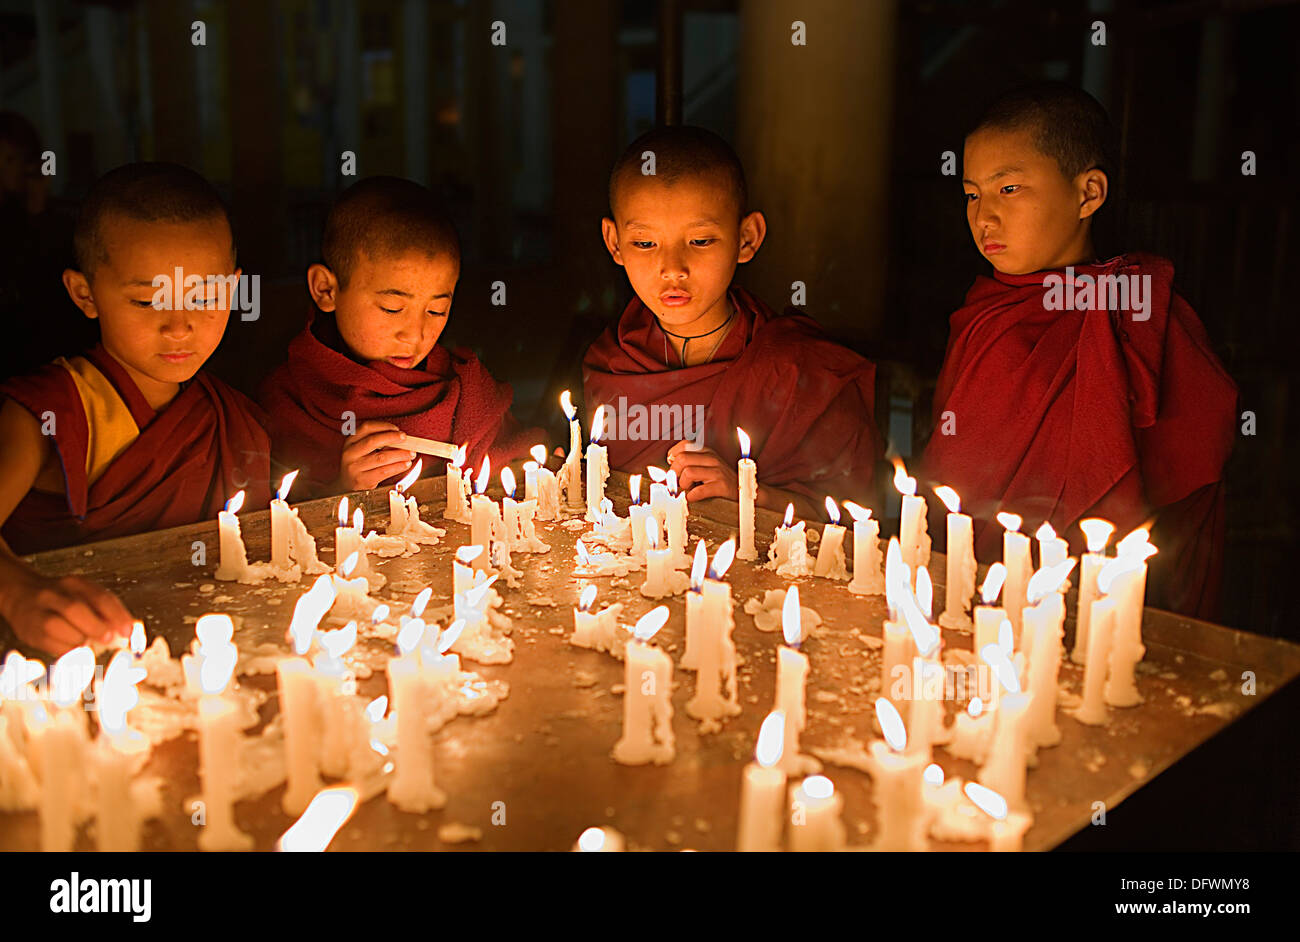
(672, 265)
(177, 324)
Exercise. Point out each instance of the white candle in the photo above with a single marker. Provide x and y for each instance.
(1052, 550)
(398, 518)
(586, 623)
(677, 514)
(234, 561)
(510, 514)
(868, 577)
(336, 686)
(989, 617)
(1005, 769)
(571, 474)
(791, 678)
(597, 467)
(715, 688)
(457, 487)
(971, 731)
(961, 563)
(347, 540)
(1007, 829)
(747, 474)
(530, 471)
(778, 553)
(1015, 556)
(647, 705)
(830, 552)
(925, 710)
(658, 564)
(1092, 711)
(59, 744)
(483, 513)
(1096, 532)
(695, 614)
(604, 840)
(913, 526)
(815, 810)
(898, 777)
(762, 790)
(120, 752)
(281, 523)
(1045, 623)
(1126, 649)
(548, 495)
(299, 707)
(412, 787)
(219, 738)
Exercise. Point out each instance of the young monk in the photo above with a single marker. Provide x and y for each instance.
(367, 370)
(1117, 408)
(132, 436)
(679, 225)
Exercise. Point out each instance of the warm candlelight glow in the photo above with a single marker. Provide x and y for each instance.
(350, 564)
(380, 614)
(949, 498)
(832, 510)
(891, 724)
(461, 453)
(580, 550)
(924, 591)
(1097, 533)
(650, 622)
(586, 599)
(924, 634)
(744, 442)
(358, 520)
(818, 787)
(591, 840)
(117, 693)
(859, 513)
(996, 657)
(214, 631)
(771, 740)
(339, 642)
(902, 483)
(1010, 521)
(410, 478)
(1045, 532)
(722, 559)
(467, 554)
(137, 638)
(699, 564)
(789, 515)
(216, 669)
(986, 799)
(658, 475)
(451, 635)
(376, 709)
(1124, 562)
(17, 674)
(285, 483)
(485, 472)
(479, 592)
(566, 403)
(975, 707)
(1048, 580)
(933, 774)
(993, 581)
(410, 635)
(421, 601)
(324, 817)
(896, 573)
(508, 481)
(343, 512)
(598, 424)
(652, 532)
(539, 455)
(1006, 636)
(233, 505)
(308, 611)
(792, 618)
(1134, 542)
(634, 485)
(670, 481)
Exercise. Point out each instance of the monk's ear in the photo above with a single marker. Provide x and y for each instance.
(753, 230)
(324, 287)
(78, 288)
(1094, 186)
(609, 232)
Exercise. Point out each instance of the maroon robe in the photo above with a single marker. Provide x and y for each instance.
(185, 463)
(805, 401)
(1061, 414)
(449, 397)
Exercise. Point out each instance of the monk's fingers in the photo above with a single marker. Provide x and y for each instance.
(83, 617)
(698, 474)
(382, 458)
(376, 476)
(359, 445)
(686, 448)
(51, 634)
(107, 606)
(370, 426)
(693, 466)
(714, 488)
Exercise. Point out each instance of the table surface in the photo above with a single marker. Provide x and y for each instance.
(545, 751)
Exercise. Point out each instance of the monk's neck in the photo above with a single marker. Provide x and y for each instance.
(697, 342)
(156, 393)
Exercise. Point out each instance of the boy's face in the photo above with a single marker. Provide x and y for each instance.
(1024, 214)
(393, 308)
(680, 245)
(159, 348)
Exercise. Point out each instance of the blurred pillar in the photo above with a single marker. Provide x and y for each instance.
(49, 63)
(171, 72)
(813, 128)
(415, 89)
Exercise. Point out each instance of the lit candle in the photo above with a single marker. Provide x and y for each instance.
(351, 596)
(791, 677)
(715, 687)
(1007, 829)
(788, 554)
(548, 488)
(347, 539)
(604, 840)
(597, 467)
(762, 790)
(19, 790)
(234, 561)
(58, 744)
(1101, 619)
(961, 563)
(747, 473)
(1097, 533)
(281, 525)
(989, 617)
(695, 608)
(513, 528)
(219, 738)
(1126, 648)
(868, 579)
(660, 578)
(586, 624)
(830, 552)
(1005, 769)
(676, 514)
(1015, 556)
(457, 487)
(898, 776)
(971, 729)
(647, 705)
(815, 810)
(321, 820)
(120, 753)
(299, 698)
(1045, 624)
(571, 473)
(483, 511)
(412, 787)
(912, 532)
(898, 647)
(397, 516)
(637, 514)
(1052, 550)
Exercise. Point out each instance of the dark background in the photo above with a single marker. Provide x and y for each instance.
(842, 139)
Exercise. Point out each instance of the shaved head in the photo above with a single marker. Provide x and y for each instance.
(680, 152)
(1067, 125)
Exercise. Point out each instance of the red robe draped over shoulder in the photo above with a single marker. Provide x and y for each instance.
(805, 401)
(449, 397)
(183, 465)
(1063, 414)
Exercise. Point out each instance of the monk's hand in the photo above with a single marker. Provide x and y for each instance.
(371, 457)
(59, 614)
(702, 474)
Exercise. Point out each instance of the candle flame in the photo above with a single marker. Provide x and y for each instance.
(975, 707)
(380, 614)
(771, 740)
(634, 485)
(1048, 580)
(17, 675)
(539, 454)
(657, 475)
(451, 635)
(421, 601)
(216, 669)
(358, 520)
(933, 774)
(902, 483)
(566, 403)
(650, 622)
(285, 483)
(924, 591)
(652, 531)
(598, 424)
(722, 559)
(818, 787)
(339, 642)
(1006, 636)
(117, 694)
(233, 505)
(343, 512)
(214, 631)
(924, 634)
(350, 564)
(994, 656)
(698, 566)
(789, 515)
(530, 467)
(1045, 532)
(323, 819)
(410, 635)
(1121, 564)
(473, 597)
(591, 840)
(1010, 521)
(986, 799)
(744, 442)
(949, 498)
(508, 481)
(308, 611)
(1097, 533)
(411, 477)
(137, 638)
(485, 472)
(891, 724)
(897, 575)
(580, 549)
(1133, 542)
(586, 599)
(792, 618)
(467, 554)
(670, 481)
(993, 581)
(832, 509)
(376, 709)
(859, 513)
(458, 460)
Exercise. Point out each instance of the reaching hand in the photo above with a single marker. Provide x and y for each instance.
(368, 458)
(702, 474)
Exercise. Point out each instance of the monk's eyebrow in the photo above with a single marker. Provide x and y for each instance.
(139, 283)
(996, 174)
(397, 291)
(705, 221)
